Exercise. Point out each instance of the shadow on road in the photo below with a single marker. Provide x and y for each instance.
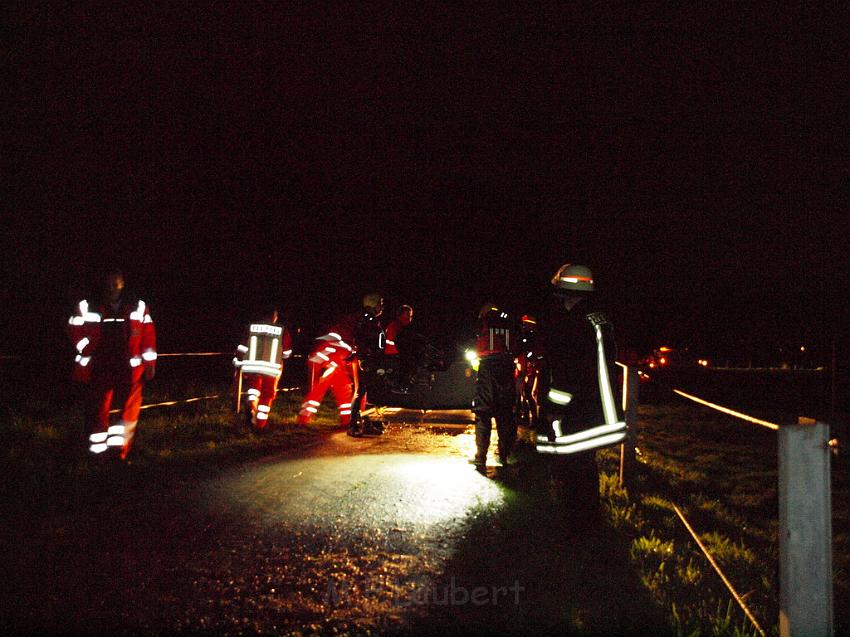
(540, 564)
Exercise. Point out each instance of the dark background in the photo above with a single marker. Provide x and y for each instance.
(694, 157)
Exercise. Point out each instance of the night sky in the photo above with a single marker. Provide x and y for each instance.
(695, 157)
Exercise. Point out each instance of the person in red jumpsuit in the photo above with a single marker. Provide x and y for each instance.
(330, 364)
(528, 362)
(115, 341)
(260, 361)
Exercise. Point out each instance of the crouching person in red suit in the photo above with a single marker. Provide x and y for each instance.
(330, 366)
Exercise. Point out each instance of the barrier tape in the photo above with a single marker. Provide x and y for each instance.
(723, 577)
(211, 354)
(730, 412)
(193, 354)
(171, 403)
(11, 357)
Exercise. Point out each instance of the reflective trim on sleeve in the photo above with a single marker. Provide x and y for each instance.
(98, 448)
(99, 436)
(81, 344)
(115, 441)
(560, 397)
(135, 361)
(115, 430)
(311, 409)
(149, 355)
(344, 412)
(84, 316)
(139, 313)
(608, 406)
(286, 353)
(264, 408)
(262, 416)
(82, 361)
(242, 348)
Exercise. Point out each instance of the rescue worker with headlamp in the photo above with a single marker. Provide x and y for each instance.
(369, 343)
(115, 341)
(495, 388)
(259, 360)
(579, 411)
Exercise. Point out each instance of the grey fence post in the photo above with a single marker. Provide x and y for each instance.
(805, 530)
(627, 449)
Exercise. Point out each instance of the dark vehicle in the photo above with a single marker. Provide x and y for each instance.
(425, 377)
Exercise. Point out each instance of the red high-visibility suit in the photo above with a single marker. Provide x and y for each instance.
(116, 350)
(260, 360)
(330, 365)
(528, 362)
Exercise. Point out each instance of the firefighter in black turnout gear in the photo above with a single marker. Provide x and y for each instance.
(495, 388)
(369, 341)
(579, 411)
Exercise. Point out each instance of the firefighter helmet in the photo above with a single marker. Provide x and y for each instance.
(372, 301)
(573, 278)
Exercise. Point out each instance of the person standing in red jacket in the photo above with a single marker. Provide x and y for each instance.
(115, 340)
(403, 318)
(400, 358)
(260, 360)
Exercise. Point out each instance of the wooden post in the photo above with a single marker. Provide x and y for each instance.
(239, 391)
(805, 530)
(630, 400)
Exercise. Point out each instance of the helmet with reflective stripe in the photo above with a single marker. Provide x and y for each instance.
(573, 278)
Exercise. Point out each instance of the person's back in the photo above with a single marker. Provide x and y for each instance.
(570, 363)
(579, 409)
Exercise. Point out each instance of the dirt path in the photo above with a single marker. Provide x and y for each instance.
(390, 534)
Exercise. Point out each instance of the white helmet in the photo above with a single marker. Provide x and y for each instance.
(573, 278)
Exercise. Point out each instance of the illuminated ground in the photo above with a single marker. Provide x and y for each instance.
(390, 534)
